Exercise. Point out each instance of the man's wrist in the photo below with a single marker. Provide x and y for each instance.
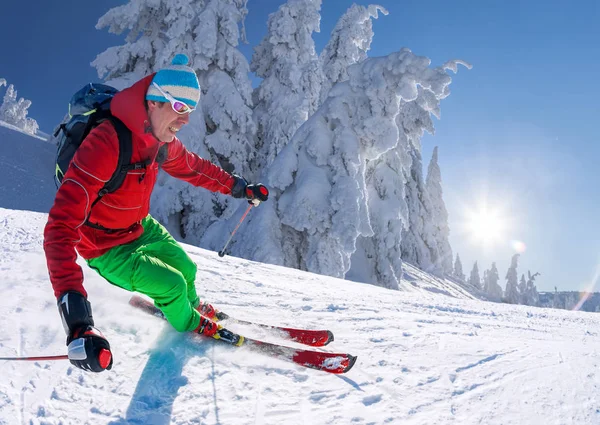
(75, 311)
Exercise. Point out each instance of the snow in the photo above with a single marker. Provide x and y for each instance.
(27, 164)
(422, 357)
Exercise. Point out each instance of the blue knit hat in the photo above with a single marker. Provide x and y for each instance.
(179, 80)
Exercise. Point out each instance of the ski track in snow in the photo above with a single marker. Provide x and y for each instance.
(423, 358)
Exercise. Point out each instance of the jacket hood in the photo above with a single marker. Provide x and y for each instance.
(128, 105)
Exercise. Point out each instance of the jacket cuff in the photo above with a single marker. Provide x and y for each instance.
(239, 186)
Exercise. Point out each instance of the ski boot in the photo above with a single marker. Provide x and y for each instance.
(207, 310)
(207, 327)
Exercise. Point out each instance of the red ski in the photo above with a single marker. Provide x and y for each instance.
(313, 338)
(327, 362)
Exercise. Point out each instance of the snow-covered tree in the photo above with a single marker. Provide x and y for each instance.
(458, 269)
(8, 109)
(393, 180)
(322, 171)
(533, 297)
(419, 245)
(377, 258)
(14, 111)
(441, 230)
(2, 82)
(485, 281)
(523, 290)
(208, 32)
(474, 279)
(511, 294)
(287, 62)
(144, 22)
(491, 287)
(349, 42)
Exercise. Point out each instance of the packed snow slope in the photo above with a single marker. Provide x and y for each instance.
(423, 358)
(27, 167)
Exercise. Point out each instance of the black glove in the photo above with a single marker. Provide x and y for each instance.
(254, 193)
(87, 347)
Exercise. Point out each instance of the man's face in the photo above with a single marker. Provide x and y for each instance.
(164, 121)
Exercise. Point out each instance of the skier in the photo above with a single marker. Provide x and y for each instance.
(117, 237)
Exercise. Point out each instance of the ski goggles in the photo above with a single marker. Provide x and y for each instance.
(177, 105)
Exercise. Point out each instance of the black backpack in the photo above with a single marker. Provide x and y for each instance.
(87, 109)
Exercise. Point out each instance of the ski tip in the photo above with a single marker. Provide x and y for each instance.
(329, 338)
(351, 361)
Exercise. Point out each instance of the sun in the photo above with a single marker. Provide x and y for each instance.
(487, 226)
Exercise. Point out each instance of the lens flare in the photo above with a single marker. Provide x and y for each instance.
(588, 291)
(583, 297)
(518, 246)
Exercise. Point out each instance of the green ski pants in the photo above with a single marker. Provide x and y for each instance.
(157, 266)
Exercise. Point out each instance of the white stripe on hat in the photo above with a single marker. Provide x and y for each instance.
(182, 92)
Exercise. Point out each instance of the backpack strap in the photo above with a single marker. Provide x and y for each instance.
(123, 167)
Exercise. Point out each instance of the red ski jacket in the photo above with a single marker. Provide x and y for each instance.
(93, 164)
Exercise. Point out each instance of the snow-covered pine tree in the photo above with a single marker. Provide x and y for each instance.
(349, 43)
(208, 32)
(322, 171)
(2, 82)
(533, 297)
(8, 109)
(458, 269)
(511, 294)
(386, 179)
(474, 279)
(14, 112)
(441, 230)
(485, 281)
(419, 245)
(523, 290)
(144, 22)
(377, 258)
(494, 290)
(286, 60)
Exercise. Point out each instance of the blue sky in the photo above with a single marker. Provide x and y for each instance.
(518, 129)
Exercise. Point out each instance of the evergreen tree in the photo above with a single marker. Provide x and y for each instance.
(441, 230)
(14, 112)
(523, 290)
(286, 60)
(419, 245)
(9, 105)
(322, 172)
(512, 295)
(474, 279)
(458, 269)
(494, 290)
(349, 43)
(533, 297)
(486, 281)
(387, 180)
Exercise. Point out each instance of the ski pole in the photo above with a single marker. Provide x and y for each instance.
(222, 252)
(34, 359)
